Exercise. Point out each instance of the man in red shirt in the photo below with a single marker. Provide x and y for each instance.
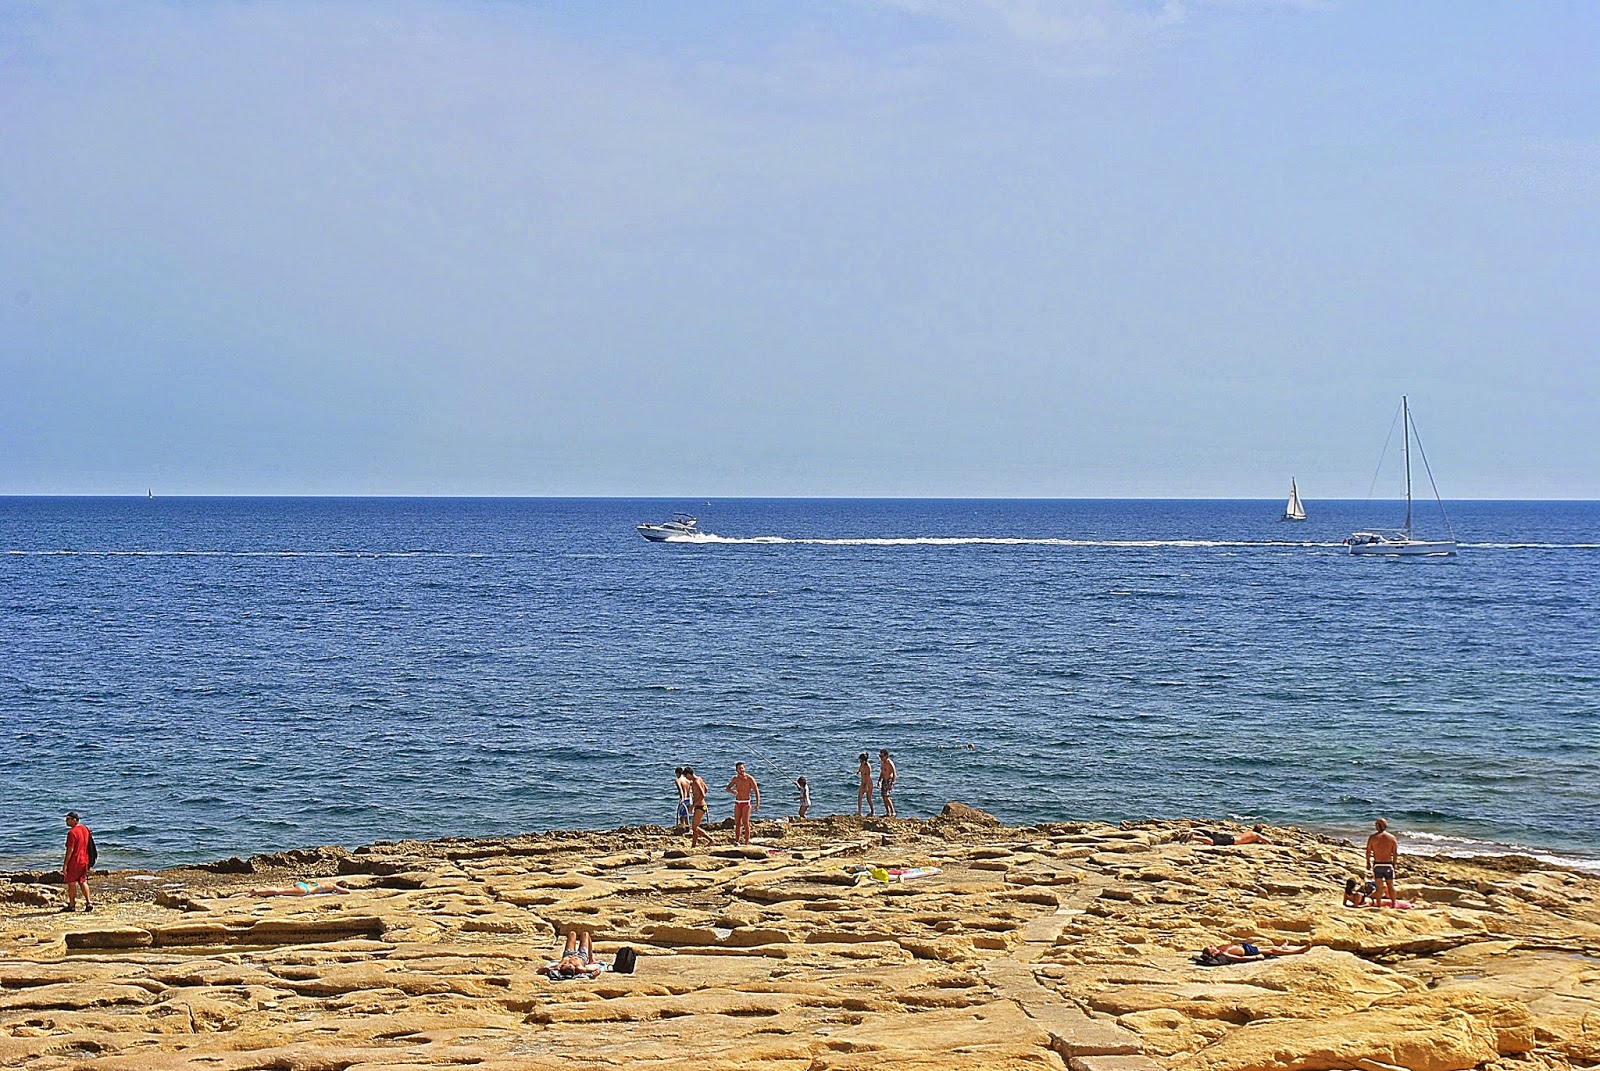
(76, 866)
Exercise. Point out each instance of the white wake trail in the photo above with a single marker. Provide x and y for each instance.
(985, 541)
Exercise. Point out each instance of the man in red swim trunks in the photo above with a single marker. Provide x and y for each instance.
(746, 794)
(76, 865)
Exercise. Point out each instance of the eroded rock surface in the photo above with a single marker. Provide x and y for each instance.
(1033, 948)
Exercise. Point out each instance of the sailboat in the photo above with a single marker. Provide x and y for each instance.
(1404, 542)
(1295, 510)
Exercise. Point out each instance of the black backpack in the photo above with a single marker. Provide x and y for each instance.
(627, 959)
(94, 853)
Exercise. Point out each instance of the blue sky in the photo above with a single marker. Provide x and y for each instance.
(856, 247)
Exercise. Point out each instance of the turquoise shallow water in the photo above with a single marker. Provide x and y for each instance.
(205, 677)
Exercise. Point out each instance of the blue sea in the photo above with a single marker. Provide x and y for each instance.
(203, 677)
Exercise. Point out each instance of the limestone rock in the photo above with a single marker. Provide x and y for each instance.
(954, 812)
(1069, 943)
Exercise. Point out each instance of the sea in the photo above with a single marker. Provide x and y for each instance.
(208, 677)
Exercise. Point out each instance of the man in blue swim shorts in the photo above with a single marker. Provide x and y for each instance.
(1383, 853)
(684, 791)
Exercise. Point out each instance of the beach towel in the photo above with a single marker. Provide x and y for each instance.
(864, 872)
(552, 971)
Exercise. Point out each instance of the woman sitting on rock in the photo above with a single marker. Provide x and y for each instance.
(1367, 896)
(1358, 895)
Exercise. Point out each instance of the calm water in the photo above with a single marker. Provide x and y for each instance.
(204, 677)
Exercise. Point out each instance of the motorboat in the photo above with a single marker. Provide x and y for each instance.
(682, 527)
(1403, 543)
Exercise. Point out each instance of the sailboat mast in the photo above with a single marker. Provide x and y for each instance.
(1405, 431)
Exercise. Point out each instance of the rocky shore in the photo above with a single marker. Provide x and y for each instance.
(1044, 947)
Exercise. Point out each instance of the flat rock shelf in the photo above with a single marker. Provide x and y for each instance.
(1064, 945)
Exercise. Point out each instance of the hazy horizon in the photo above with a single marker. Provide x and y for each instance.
(711, 500)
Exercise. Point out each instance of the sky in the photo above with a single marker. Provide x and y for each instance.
(966, 248)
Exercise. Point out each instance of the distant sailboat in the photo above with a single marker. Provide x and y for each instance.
(1403, 543)
(1295, 510)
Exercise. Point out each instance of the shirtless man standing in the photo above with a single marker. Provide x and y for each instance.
(743, 787)
(682, 781)
(697, 808)
(886, 775)
(1383, 852)
(864, 769)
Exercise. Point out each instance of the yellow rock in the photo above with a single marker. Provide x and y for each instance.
(1068, 942)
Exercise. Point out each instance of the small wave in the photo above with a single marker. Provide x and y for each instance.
(1457, 847)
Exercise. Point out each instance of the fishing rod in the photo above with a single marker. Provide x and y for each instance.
(781, 771)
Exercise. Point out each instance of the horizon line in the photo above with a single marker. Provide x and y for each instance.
(375, 496)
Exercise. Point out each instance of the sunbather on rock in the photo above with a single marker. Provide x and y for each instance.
(1245, 952)
(1206, 836)
(577, 959)
(305, 888)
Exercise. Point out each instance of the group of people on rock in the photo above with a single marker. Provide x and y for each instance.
(692, 805)
(693, 794)
(1382, 857)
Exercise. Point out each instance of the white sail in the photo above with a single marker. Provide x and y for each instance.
(1295, 510)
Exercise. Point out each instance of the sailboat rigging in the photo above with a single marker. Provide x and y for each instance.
(1403, 543)
(1295, 510)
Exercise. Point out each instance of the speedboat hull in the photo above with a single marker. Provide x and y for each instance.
(1378, 546)
(683, 528)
